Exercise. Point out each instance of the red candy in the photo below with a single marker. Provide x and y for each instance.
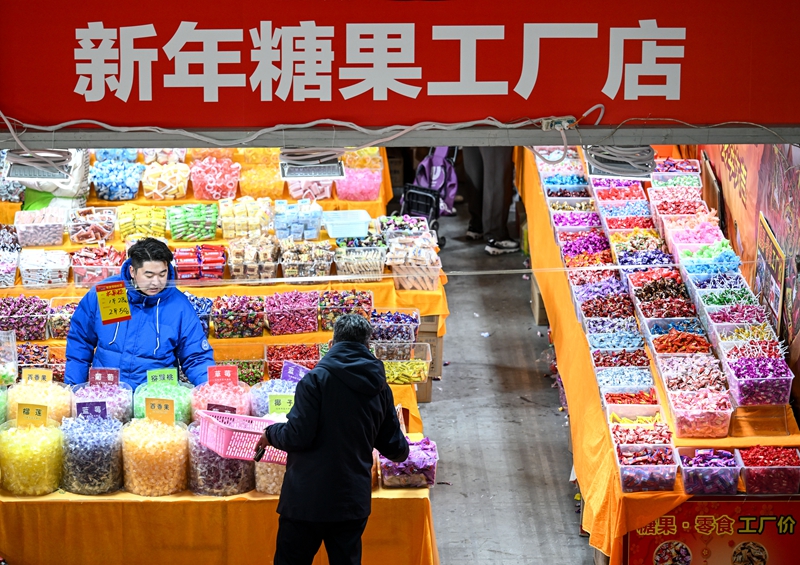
(640, 397)
(630, 222)
(668, 308)
(680, 207)
(614, 306)
(681, 342)
(769, 456)
(641, 278)
(635, 358)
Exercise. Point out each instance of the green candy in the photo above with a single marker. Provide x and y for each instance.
(182, 395)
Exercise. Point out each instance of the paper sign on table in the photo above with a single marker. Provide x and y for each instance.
(31, 415)
(221, 408)
(161, 409)
(36, 375)
(223, 374)
(293, 372)
(166, 375)
(92, 408)
(112, 300)
(103, 376)
(280, 403)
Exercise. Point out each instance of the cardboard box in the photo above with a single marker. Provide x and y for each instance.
(429, 324)
(437, 346)
(537, 305)
(396, 171)
(425, 391)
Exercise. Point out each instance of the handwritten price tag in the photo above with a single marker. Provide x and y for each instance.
(31, 415)
(112, 299)
(93, 408)
(161, 409)
(223, 374)
(103, 376)
(169, 375)
(280, 403)
(36, 375)
(293, 372)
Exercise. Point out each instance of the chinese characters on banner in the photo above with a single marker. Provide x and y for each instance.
(717, 532)
(298, 62)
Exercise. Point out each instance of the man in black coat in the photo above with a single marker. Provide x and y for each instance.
(342, 409)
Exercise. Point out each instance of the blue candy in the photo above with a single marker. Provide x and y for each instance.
(628, 208)
(202, 307)
(617, 340)
(129, 155)
(691, 326)
(655, 257)
(624, 376)
(566, 180)
(116, 180)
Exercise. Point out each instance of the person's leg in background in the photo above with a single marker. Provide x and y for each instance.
(343, 541)
(297, 543)
(498, 190)
(473, 166)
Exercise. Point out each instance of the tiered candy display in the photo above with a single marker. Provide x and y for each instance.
(238, 316)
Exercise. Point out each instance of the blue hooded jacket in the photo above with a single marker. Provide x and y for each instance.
(163, 331)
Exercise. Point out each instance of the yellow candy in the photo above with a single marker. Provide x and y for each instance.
(30, 458)
(146, 221)
(258, 155)
(269, 477)
(155, 456)
(261, 181)
(56, 396)
(368, 158)
(165, 182)
(615, 419)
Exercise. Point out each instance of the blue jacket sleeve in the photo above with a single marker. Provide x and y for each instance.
(298, 433)
(81, 340)
(194, 352)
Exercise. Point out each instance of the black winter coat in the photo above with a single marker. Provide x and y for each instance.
(342, 409)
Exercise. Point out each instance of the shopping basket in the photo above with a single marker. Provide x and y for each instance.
(234, 436)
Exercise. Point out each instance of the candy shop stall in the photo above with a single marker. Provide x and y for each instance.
(685, 437)
(268, 265)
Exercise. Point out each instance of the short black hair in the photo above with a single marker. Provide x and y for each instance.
(352, 327)
(149, 249)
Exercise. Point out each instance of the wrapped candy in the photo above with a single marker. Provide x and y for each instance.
(239, 316)
(30, 458)
(118, 399)
(193, 222)
(770, 469)
(116, 180)
(215, 179)
(91, 225)
(165, 181)
(59, 317)
(259, 394)
(202, 307)
(92, 455)
(292, 312)
(56, 396)
(164, 156)
(225, 394)
(704, 413)
(213, 475)
(269, 477)
(242, 218)
(41, 268)
(40, 228)
(25, 315)
(672, 553)
(141, 221)
(419, 470)
(709, 471)
(336, 303)
(92, 265)
(181, 393)
(155, 457)
(691, 372)
(359, 184)
(127, 154)
(261, 181)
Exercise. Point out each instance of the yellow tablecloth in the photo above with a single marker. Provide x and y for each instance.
(608, 512)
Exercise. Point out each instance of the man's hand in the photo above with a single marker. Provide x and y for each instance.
(263, 444)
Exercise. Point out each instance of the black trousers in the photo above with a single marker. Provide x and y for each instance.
(490, 171)
(298, 542)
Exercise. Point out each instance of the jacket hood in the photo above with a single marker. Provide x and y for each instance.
(354, 365)
(139, 298)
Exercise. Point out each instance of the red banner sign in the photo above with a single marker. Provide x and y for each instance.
(383, 62)
(720, 531)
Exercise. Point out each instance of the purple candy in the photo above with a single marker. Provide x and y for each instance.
(654, 257)
(595, 290)
(418, 470)
(591, 243)
(576, 219)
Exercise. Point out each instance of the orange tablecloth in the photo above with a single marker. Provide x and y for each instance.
(608, 512)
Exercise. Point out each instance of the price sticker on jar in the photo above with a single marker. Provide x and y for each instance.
(161, 409)
(223, 374)
(280, 403)
(36, 375)
(167, 375)
(31, 415)
(112, 300)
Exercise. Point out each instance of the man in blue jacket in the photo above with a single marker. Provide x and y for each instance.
(163, 331)
(342, 409)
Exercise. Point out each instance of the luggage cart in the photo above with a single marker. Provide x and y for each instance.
(424, 202)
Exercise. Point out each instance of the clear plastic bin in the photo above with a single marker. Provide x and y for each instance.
(41, 235)
(750, 392)
(306, 269)
(359, 184)
(8, 268)
(249, 358)
(88, 277)
(396, 332)
(30, 327)
(718, 332)
(694, 163)
(633, 411)
(411, 369)
(296, 321)
(305, 354)
(647, 478)
(580, 191)
(413, 277)
(255, 271)
(625, 390)
(769, 480)
(364, 263)
(699, 423)
(708, 480)
(239, 324)
(347, 223)
(58, 323)
(91, 225)
(662, 179)
(35, 277)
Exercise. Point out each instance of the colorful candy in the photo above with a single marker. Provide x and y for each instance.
(576, 219)
(629, 222)
(672, 553)
(116, 180)
(213, 475)
(56, 396)
(610, 325)
(180, 393)
(336, 303)
(239, 316)
(41, 267)
(141, 221)
(215, 179)
(595, 290)
(234, 396)
(690, 325)
(760, 380)
(632, 192)
(580, 277)
(92, 265)
(646, 468)
(202, 307)
(155, 457)
(30, 458)
(681, 342)
(655, 434)
(749, 332)
(592, 241)
(692, 372)
(118, 399)
(261, 180)
(554, 191)
(26, 315)
(670, 165)
(259, 394)
(588, 259)
(360, 184)
(728, 296)
(710, 471)
(624, 376)
(720, 281)
(614, 306)
(632, 358)
(92, 455)
(91, 225)
(638, 397)
(625, 208)
(617, 340)
(292, 312)
(668, 308)
(193, 222)
(665, 288)
(40, 228)
(650, 257)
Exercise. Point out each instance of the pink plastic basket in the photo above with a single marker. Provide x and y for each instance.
(235, 436)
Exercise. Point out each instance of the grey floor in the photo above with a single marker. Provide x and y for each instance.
(502, 440)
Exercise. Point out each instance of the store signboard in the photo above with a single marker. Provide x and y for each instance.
(383, 62)
(720, 531)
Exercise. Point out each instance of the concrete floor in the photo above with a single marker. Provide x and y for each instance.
(502, 440)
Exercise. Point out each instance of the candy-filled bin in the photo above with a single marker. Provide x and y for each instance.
(155, 457)
(60, 315)
(238, 316)
(215, 179)
(232, 396)
(419, 470)
(709, 471)
(165, 182)
(249, 358)
(647, 467)
(30, 458)
(413, 368)
(92, 455)
(56, 396)
(118, 399)
(769, 470)
(213, 475)
(292, 312)
(181, 393)
(305, 354)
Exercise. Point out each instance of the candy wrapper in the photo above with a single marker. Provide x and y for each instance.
(141, 221)
(259, 395)
(400, 325)
(701, 414)
(419, 470)
(92, 265)
(269, 477)
(709, 471)
(238, 316)
(30, 458)
(213, 475)
(155, 457)
(193, 222)
(118, 399)
(92, 455)
(769, 469)
(234, 396)
(56, 396)
(691, 372)
(292, 312)
(180, 393)
(59, 316)
(336, 303)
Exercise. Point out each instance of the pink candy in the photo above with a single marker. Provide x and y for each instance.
(703, 413)
(359, 184)
(215, 179)
(704, 233)
(237, 397)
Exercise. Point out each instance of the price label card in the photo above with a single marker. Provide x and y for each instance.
(168, 375)
(103, 376)
(280, 403)
(36, 375)
(161, 409)
(293, 372)
(223, 374)
(221, 408)
(93, 408)
(31, 415)
(112, 299)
